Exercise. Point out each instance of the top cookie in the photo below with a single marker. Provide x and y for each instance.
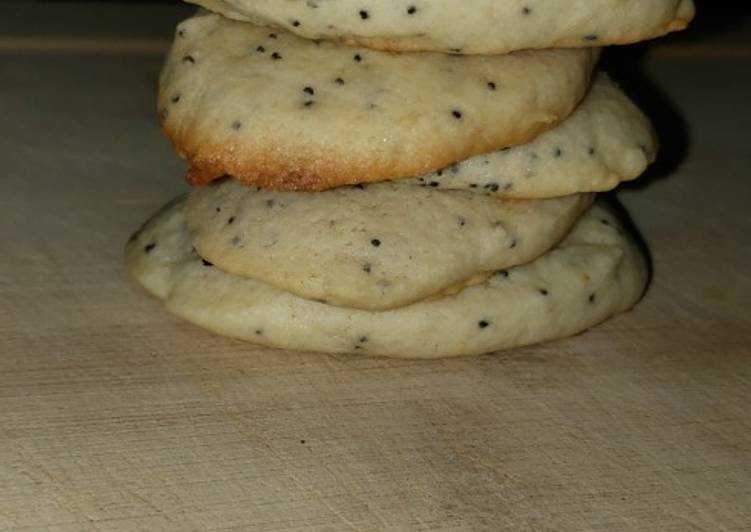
(281, 112)
(468, 27)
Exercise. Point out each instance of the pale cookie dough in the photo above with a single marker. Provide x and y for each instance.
(374, 246)
(605, 141)
(466, 26)
(595, 272)
(281, 112)
(152, 262)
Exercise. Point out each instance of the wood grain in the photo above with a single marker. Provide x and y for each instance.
(83, 46)
(114, 416)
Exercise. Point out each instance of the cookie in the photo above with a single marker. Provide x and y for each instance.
(606, 140)
(375, 246)
(281, 112)
(595, 272)
(470, 27)
(161, 241)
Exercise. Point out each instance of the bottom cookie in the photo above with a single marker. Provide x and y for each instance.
(595, 272)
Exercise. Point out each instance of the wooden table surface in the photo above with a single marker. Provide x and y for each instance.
(115, 416)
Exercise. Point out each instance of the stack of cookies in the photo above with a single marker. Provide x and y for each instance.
(410, 179)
